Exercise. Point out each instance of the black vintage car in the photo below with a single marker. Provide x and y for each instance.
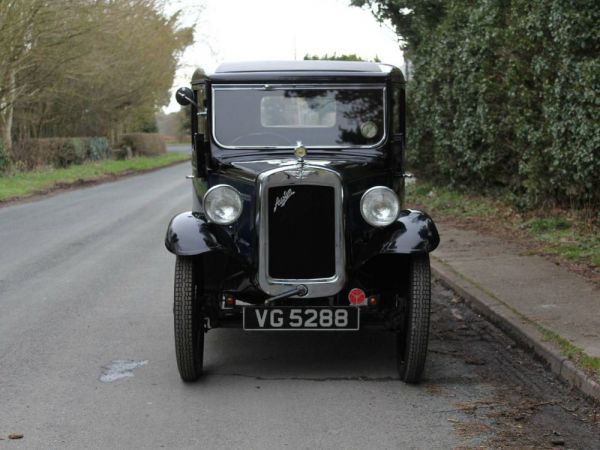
(297, 220)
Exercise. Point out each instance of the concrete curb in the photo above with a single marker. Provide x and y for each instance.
(515, 325)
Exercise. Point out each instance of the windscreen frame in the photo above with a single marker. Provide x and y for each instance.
(300, 86)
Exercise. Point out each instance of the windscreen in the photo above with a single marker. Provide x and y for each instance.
(279, 116)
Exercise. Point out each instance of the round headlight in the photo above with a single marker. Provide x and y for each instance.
(222, 204)
(379, 206)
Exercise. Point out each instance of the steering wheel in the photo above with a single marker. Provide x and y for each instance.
(263, 133)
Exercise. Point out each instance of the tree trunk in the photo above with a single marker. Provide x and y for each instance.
(6, 116)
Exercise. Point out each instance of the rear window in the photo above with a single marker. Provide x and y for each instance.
(280, 116)
(298, 109)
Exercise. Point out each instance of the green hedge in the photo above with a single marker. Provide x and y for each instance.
(504, 95)
(59, 152)
(141, 144)
(506, 98)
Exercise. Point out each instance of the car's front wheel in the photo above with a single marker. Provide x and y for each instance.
(413, 337)
(189, 318)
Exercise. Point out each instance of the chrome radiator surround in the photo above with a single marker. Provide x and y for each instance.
(300, 174)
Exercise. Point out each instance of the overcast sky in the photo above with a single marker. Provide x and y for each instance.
(246, 30)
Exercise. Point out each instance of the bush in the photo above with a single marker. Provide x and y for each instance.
(505, 99)
(34, 153)
(98, 148)
(141, 144)
(68, 152)
(59, 152)
(504, 96)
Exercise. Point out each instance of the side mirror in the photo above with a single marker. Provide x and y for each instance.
(185, 96)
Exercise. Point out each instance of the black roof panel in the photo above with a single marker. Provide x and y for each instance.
(298, 66)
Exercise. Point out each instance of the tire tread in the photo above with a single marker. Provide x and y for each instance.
(417, 333)
(187, 342)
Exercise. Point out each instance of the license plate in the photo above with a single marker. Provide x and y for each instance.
(291, 318)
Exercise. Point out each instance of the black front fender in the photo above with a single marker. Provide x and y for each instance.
(189, 234)
(413, 232)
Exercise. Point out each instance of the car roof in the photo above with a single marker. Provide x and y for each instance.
(307, 70)
(298, 66)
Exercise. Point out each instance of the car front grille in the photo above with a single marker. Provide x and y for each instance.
(301, 232)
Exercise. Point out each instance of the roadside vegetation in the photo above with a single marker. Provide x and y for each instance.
(74, 71)
(25, 184)
(341, 57)
(588, 363)
(80, 86)
(572, 236)
(503, 96)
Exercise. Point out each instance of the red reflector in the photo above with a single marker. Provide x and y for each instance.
(230, 301)
(357, 296)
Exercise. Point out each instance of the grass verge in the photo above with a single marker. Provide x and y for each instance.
(588, 363)
(25, 184)
(562, 233)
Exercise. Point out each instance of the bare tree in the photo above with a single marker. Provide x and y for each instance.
(83, 67)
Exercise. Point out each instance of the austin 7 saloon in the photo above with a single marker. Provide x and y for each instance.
(297, 220)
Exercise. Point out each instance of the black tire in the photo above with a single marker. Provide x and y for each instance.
(413, 337)
(189, 320)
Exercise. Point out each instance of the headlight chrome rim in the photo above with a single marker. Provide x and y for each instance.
(210, 214)
(368, 218)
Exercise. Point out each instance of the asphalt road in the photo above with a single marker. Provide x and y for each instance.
(85, 290)
(179, 148)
